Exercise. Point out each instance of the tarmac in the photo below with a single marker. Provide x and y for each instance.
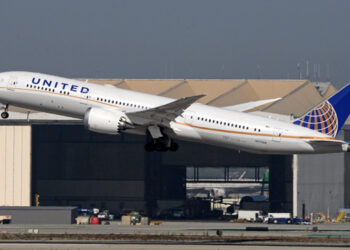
(321, 236)
(185, 228)
(155, 247)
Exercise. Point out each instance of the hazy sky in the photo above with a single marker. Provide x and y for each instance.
(176, 39)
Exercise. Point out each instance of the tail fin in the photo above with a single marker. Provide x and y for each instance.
(329, 116)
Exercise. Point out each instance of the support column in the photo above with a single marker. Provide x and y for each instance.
(295, 185)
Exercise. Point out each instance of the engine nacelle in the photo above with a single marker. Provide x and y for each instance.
(105, 121)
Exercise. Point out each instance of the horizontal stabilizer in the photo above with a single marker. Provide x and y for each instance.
(326, 142)
(330, 143)
(250, 105)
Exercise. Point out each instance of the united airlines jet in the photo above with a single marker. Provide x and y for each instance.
(109, 110)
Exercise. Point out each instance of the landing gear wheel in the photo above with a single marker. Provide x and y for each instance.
(174, 147)
(160, 147)
(4, 115)
(149, 147)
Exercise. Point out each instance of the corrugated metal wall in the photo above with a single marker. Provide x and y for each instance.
(320, 183)
(15, 165)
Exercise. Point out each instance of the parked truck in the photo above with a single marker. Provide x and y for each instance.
(250, 215)
(284, 218)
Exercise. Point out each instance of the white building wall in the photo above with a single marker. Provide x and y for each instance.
(15, 165)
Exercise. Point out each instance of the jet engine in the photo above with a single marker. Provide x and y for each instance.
(105, 121)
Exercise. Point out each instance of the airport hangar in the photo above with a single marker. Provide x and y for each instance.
(55, 157)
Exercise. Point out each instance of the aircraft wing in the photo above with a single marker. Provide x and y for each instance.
(250, 105)
(167, 112)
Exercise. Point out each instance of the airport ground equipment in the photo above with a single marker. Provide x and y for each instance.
(155, 223)
(95, 220)
(343, 215)
(5, 219)
(319, 218)
(287, 221)
(279, 218)
(250, 215)
(83, 219)
(105, 215)
(284, 218)
(131, 219)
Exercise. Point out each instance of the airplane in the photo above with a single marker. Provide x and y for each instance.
(110, 110)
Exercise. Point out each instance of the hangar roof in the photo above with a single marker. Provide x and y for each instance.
(296, 96)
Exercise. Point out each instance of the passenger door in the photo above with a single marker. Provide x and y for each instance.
(12, 83)
(189, 116)
(277, 133)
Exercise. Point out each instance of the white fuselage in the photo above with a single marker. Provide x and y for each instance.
(199, 123)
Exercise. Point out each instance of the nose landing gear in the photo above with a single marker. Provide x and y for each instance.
(5, 114)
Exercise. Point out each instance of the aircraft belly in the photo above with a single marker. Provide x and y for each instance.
(256, 144)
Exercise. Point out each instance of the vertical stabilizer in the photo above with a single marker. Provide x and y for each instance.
(329, 116)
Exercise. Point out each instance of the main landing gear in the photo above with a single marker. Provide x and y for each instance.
(5, 114)
(161, 147)
(157, 141)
